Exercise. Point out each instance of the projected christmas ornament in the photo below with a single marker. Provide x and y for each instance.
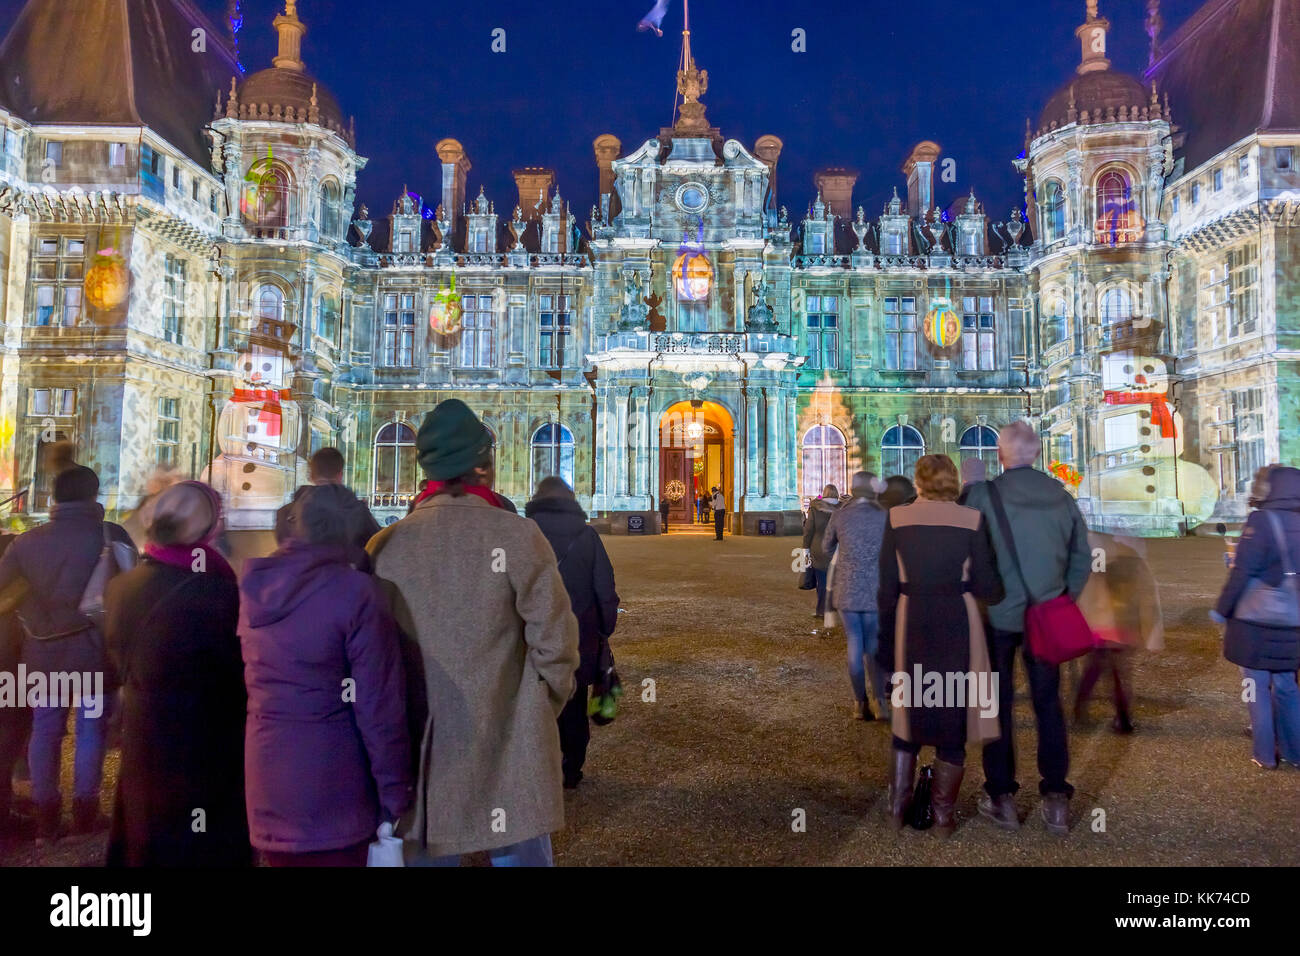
(692, 273)
(259, 199)
(942, 325)
(445, 315)
(107, 283)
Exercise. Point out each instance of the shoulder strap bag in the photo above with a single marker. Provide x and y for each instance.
(1269, 606)
(1055, 630)
(114, 558)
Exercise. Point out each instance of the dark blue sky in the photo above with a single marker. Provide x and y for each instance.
(878, 76)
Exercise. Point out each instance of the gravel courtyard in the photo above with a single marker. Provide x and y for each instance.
(750, 725)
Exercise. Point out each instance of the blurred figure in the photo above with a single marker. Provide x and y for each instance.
(1051, 542)
(326, 467)
(327, 751)
(699, 508)
(1122, 606)
(1267, 655)
(478, 589)
(719, 505)
(589, 579)
(820, 511)
(15, 722)
(898, 491)
(853, 538)
(160, 479)
(170, 627)
(57, 560)
(973, 471)
(935, 561)
(663, 513)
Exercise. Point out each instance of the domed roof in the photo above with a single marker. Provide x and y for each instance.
(1096, 92)
(281, 87)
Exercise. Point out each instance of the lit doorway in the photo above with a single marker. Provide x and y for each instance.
(695, 454)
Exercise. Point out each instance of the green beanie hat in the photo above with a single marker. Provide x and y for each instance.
(452, 441)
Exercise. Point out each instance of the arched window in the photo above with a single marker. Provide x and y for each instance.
(900, 450)
(1116, 306)
(980, 441)
(1117, 212)
(1054, 323)
(394, 469)
(327, 321)
(330, 198)
(825, 460)
(265, 198)
(1053, 212)
(270, 303)
(552, 454)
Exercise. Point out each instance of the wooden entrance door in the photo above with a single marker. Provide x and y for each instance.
(674, 477)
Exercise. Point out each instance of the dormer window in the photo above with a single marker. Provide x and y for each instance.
(405, 241)
(816, 244)
(1284, 157)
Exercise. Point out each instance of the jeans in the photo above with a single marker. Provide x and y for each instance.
(820, 575)
(533, 852)
(863, 631)
(44, 751)
(1045, 692)
(1274, 716)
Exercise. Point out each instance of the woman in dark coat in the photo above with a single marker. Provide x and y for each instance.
(589, 579)
(170, 630)
(327, 748)
(938, 552)
(1268, 656)
(820, 511)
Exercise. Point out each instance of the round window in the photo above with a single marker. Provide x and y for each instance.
(692, 197)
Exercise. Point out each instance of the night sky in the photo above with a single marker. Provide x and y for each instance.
(877, 78)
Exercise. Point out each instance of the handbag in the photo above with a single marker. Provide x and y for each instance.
(386, 850)
(114, 558)
(1269, 606)
(1055, 630)
(920, 813)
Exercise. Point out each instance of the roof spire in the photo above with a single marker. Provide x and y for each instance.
(691, 84)
(291, 31)
(1092, 34)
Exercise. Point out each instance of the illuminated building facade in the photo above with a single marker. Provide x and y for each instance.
(1142, 311)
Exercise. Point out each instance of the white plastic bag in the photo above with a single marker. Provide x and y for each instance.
(387, 849)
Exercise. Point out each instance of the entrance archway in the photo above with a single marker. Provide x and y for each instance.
(695, 455)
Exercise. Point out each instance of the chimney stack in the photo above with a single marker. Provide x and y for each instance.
(919, 170)
(607, 148)
(534, 184)
(455, 167)
(768, 149)
(836, 187)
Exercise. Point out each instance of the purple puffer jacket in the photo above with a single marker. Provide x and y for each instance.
(325, 760)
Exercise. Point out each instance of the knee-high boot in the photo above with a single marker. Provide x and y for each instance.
(947, 781)
(901, 781)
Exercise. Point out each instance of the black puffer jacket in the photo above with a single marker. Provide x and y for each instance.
(587, 572)
(1253, 645)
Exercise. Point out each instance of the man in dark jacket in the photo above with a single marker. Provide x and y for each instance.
(1051, 540)
(57, 560)
(663, 513)
(719, 505)
(589, 579)
(326, 467)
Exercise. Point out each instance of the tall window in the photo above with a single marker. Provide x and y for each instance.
(555, 327)
(268, 203)
(1117, 211)
(399, 330)
(151, 173)
(900, 332)
(1054, 323)
(980, 441)
(327, 322)
(1054, 212)
(1116, 306)
(58, 271)
(552, 454)
(977, 332)
(825, 460)
(823, 331)
(1251, 448)
(394, 468)
(477, 337)
(168, 437)
(329, 210)
(900, 450)
(1242, 271)
(174, 301)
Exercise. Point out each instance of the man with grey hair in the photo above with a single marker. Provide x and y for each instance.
(1051, 542)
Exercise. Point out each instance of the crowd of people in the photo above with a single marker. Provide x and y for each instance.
(432, 675)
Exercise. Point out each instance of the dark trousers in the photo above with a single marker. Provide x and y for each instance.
(1045, 692)
(663, 515)
(717, 522)
(15, 722)
(1105, 661)
(575, 733)
(819, 575)
(349, 856)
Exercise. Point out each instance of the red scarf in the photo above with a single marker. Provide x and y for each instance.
(270, 400)
(182, 556)
(1160, 414)
(487, 494)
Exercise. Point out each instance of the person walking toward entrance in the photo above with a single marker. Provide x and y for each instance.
(820, 512)
(719, 505)
(699, 507)
(1051, 542)
(663, 513)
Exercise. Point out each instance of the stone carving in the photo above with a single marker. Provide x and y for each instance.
(634, 313)
(1016, 226)
(760, 317)
(860, 228)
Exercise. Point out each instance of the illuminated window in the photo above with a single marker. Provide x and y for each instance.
(395, 460)
(1242, 271)
(552, 448)
(58, 273)
(1117, 213)
(1054, 212)
(823, 322)
(977, 336)
(900, 332)
(1248, 404)
(980, 441)
(1054, 323)
(1284, 157)
(1116, 306)
(477, 337)
(825, 460)
(168, 436)
(399, 330)
(117, 154)
(174, 301)
(900, 450)
(555, 330)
